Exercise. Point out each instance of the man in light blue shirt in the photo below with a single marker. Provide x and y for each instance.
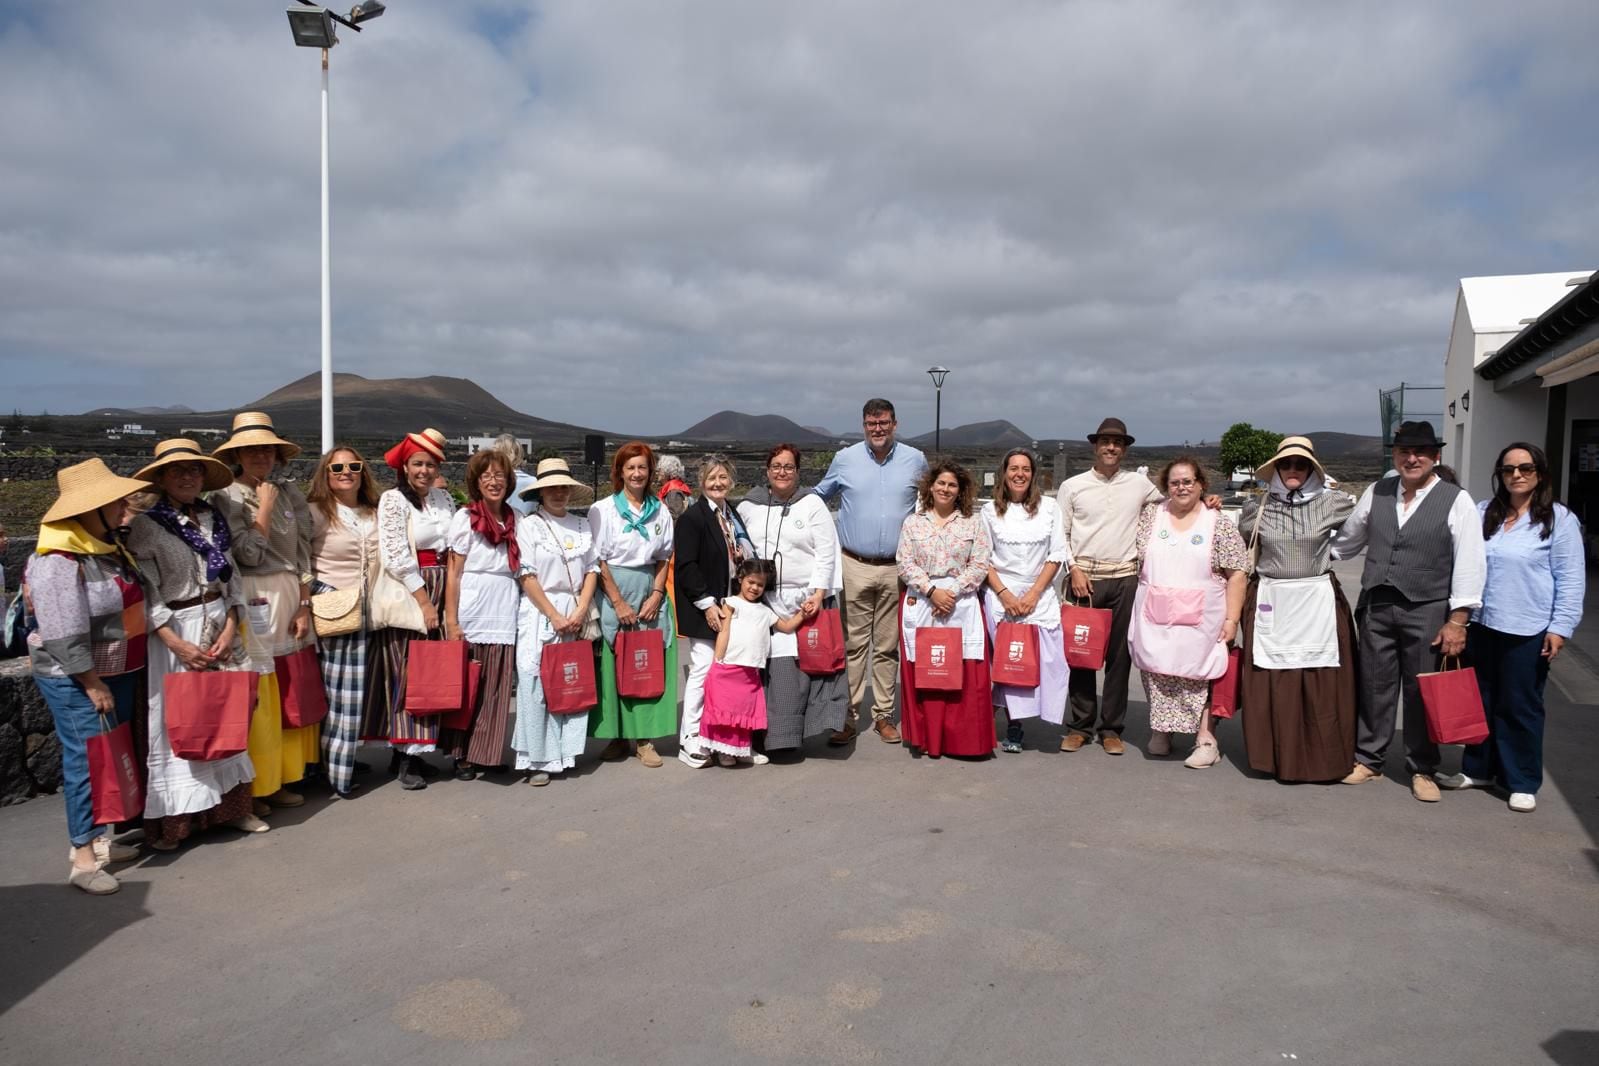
(875, 485)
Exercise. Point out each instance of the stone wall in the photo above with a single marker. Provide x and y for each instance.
(30, 754)
(44, 467)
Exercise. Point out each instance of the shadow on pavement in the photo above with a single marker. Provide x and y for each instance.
(49, 927)
(1573, 1047)
(1571, 750)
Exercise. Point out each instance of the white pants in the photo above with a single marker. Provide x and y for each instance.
(701, 655)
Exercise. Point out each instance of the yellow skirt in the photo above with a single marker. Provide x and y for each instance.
(280, 755)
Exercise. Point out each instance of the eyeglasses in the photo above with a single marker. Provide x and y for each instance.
(879, 423)
(491, 478)
(188, 469)
(1181, 483)
(782, 468)
(339, 468)
(1524, 469)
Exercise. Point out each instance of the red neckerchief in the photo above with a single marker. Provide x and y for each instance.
(497, 531)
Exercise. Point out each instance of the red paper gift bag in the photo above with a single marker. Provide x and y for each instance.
(821, 643)
(305, 701)
(938, 658)
(1087, 632)
(435, 676)
(640, 663)
(461, 717)
(114, 783)
(1015, 655)
(567, 671)
(1453, 704)
(1224, 689)
(207, 712)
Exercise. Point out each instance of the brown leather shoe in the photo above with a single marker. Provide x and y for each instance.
(616, 749)
(648, 755)
(1113, 744)
(1072, 742)
(886, 732)
(1360, 775)
(1424, 788)
(842, 736)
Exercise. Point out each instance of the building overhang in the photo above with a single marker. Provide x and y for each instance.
(1540, 341)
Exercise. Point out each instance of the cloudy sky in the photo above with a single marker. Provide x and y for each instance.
(633, 214)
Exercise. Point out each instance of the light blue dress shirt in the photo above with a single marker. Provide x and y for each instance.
(1534, 584)
(520, 506)
(874, 497)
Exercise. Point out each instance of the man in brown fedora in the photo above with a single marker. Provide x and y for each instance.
(1425, 569)
(1100, 509)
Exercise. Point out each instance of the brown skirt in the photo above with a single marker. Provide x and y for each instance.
(484, 744)
(174, 829)
(1299, 725)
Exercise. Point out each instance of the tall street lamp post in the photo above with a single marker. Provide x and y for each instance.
(938, 374)
(312, 26)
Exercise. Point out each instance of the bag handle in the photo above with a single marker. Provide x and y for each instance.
(1444, 666)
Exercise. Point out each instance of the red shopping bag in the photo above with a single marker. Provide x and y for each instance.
(1453, 704)
(1087, 632)
(435, 676)
(1015, 655)
(567, 671)
(821, 643)
(207, 712)
(461, 717)
(640, 663)
(1224, 689)
(938, 658)
(114, 783)
(305, 701)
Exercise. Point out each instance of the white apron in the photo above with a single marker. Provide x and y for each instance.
(967, 617)
(1296, 623)
(1181, 602)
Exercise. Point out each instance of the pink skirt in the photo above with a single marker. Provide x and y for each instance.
(735, 706)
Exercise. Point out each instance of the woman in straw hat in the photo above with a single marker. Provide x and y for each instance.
(1297, 680)
(271, 528)
(344, 554)
(413, 526)
(558, 576)
(196, 609)
(88, 652)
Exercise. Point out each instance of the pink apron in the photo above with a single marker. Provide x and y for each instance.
(1181, 602)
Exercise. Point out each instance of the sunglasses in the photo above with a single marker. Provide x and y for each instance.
(1524, 469)
(339, 468)
(1294, 464)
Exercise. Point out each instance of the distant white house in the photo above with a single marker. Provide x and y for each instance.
(132, 429)
(1522, 354)
(202, 431)
(478, 444)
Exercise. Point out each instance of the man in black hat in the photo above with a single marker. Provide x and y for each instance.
(1425, 567)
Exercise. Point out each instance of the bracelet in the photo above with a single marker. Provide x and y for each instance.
(1457, 625)
(1234, 621)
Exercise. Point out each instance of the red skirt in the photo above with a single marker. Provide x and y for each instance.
(947, 723)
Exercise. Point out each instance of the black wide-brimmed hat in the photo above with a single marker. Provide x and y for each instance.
(1416, 435)
(1111, 427)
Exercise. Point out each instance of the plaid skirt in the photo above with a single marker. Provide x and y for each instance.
(344, 675)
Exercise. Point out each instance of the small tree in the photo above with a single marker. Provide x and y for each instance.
(1245, 446)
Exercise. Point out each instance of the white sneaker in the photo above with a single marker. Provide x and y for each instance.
(1523, 802)
(1459, 781)
(697, 760)
(1205, 754)
(756, 759)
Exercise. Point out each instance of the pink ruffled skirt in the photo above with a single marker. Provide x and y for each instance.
(735, 706)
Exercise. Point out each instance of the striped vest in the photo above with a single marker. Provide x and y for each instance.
(1418, 560)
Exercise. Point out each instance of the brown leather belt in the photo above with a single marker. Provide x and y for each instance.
(869, 561)
(178, 605)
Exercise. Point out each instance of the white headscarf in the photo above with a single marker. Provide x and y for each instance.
(1313, 487)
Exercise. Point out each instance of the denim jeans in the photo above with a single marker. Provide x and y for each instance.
(1511, 672)
(77, 721)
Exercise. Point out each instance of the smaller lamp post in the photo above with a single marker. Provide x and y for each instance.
(938, 373)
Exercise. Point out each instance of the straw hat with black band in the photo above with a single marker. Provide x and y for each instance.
(253, 428)
(88, 486)
(1291, 446)
(551, 473)
(183, 450)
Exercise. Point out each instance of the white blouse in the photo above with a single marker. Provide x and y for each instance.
(486, 605)
(1023, 545)
(556, 551)
(402, 529)
(803, 542)
(620, 547)
(749, 641)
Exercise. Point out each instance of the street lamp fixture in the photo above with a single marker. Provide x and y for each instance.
(313, 27)
(938, 374)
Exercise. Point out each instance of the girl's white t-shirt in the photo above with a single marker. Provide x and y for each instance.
(749, 641)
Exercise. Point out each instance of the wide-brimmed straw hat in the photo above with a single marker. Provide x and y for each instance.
(550, 473)
(252, 428)
(429, 440)
(1111, 427)
(89, 486)
(183, 450)
(1289, 446)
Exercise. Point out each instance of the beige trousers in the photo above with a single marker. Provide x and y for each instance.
(871, 631)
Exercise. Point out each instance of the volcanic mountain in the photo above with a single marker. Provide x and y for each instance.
(735, 426)
(996, 434)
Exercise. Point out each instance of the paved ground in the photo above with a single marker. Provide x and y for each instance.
(861, 907)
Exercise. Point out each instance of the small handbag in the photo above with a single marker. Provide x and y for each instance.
(336, 613)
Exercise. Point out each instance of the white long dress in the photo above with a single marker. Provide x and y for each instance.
(559, 553)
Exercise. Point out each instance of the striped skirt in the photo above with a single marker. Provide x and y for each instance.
(385, 718)
(344, 675)
(485, 743)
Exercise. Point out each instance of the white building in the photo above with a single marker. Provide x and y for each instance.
(1506, 378)
(133, 429)
(478, 444)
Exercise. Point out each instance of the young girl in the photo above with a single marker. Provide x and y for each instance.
(735, 702)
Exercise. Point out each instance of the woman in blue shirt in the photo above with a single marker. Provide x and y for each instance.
(1531, 604)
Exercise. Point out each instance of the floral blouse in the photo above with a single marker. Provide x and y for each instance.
(1227, 549)
(959, 549)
